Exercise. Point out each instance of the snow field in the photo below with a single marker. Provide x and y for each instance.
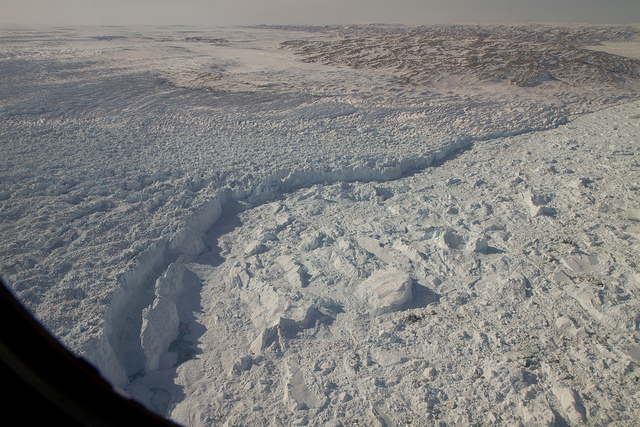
(446, 296)
(239, 237)
(108, 147)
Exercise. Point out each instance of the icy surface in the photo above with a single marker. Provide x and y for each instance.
(300, 226)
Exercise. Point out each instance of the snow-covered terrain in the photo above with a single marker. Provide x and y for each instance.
(348, 225)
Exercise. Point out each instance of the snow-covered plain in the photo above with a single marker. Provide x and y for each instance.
(350, 225)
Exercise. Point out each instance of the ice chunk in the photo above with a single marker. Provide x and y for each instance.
(538, 413)
(186, 241)
(160, 324)
(295, 273)
(254, 248)
(564, 323)
(387, 290)
(560, 277)
(239, 276)
(264, 339)
(297, 394)
(566, 326)
(478, 245)
(297, 315)
(390, 358)
(241, 365)
(582, 263)
(161, 321)
(572, 407)
(538, 204)
(449, 240)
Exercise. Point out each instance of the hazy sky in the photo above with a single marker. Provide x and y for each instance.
(248, 12)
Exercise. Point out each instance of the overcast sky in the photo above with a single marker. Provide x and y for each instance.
(249, 12)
